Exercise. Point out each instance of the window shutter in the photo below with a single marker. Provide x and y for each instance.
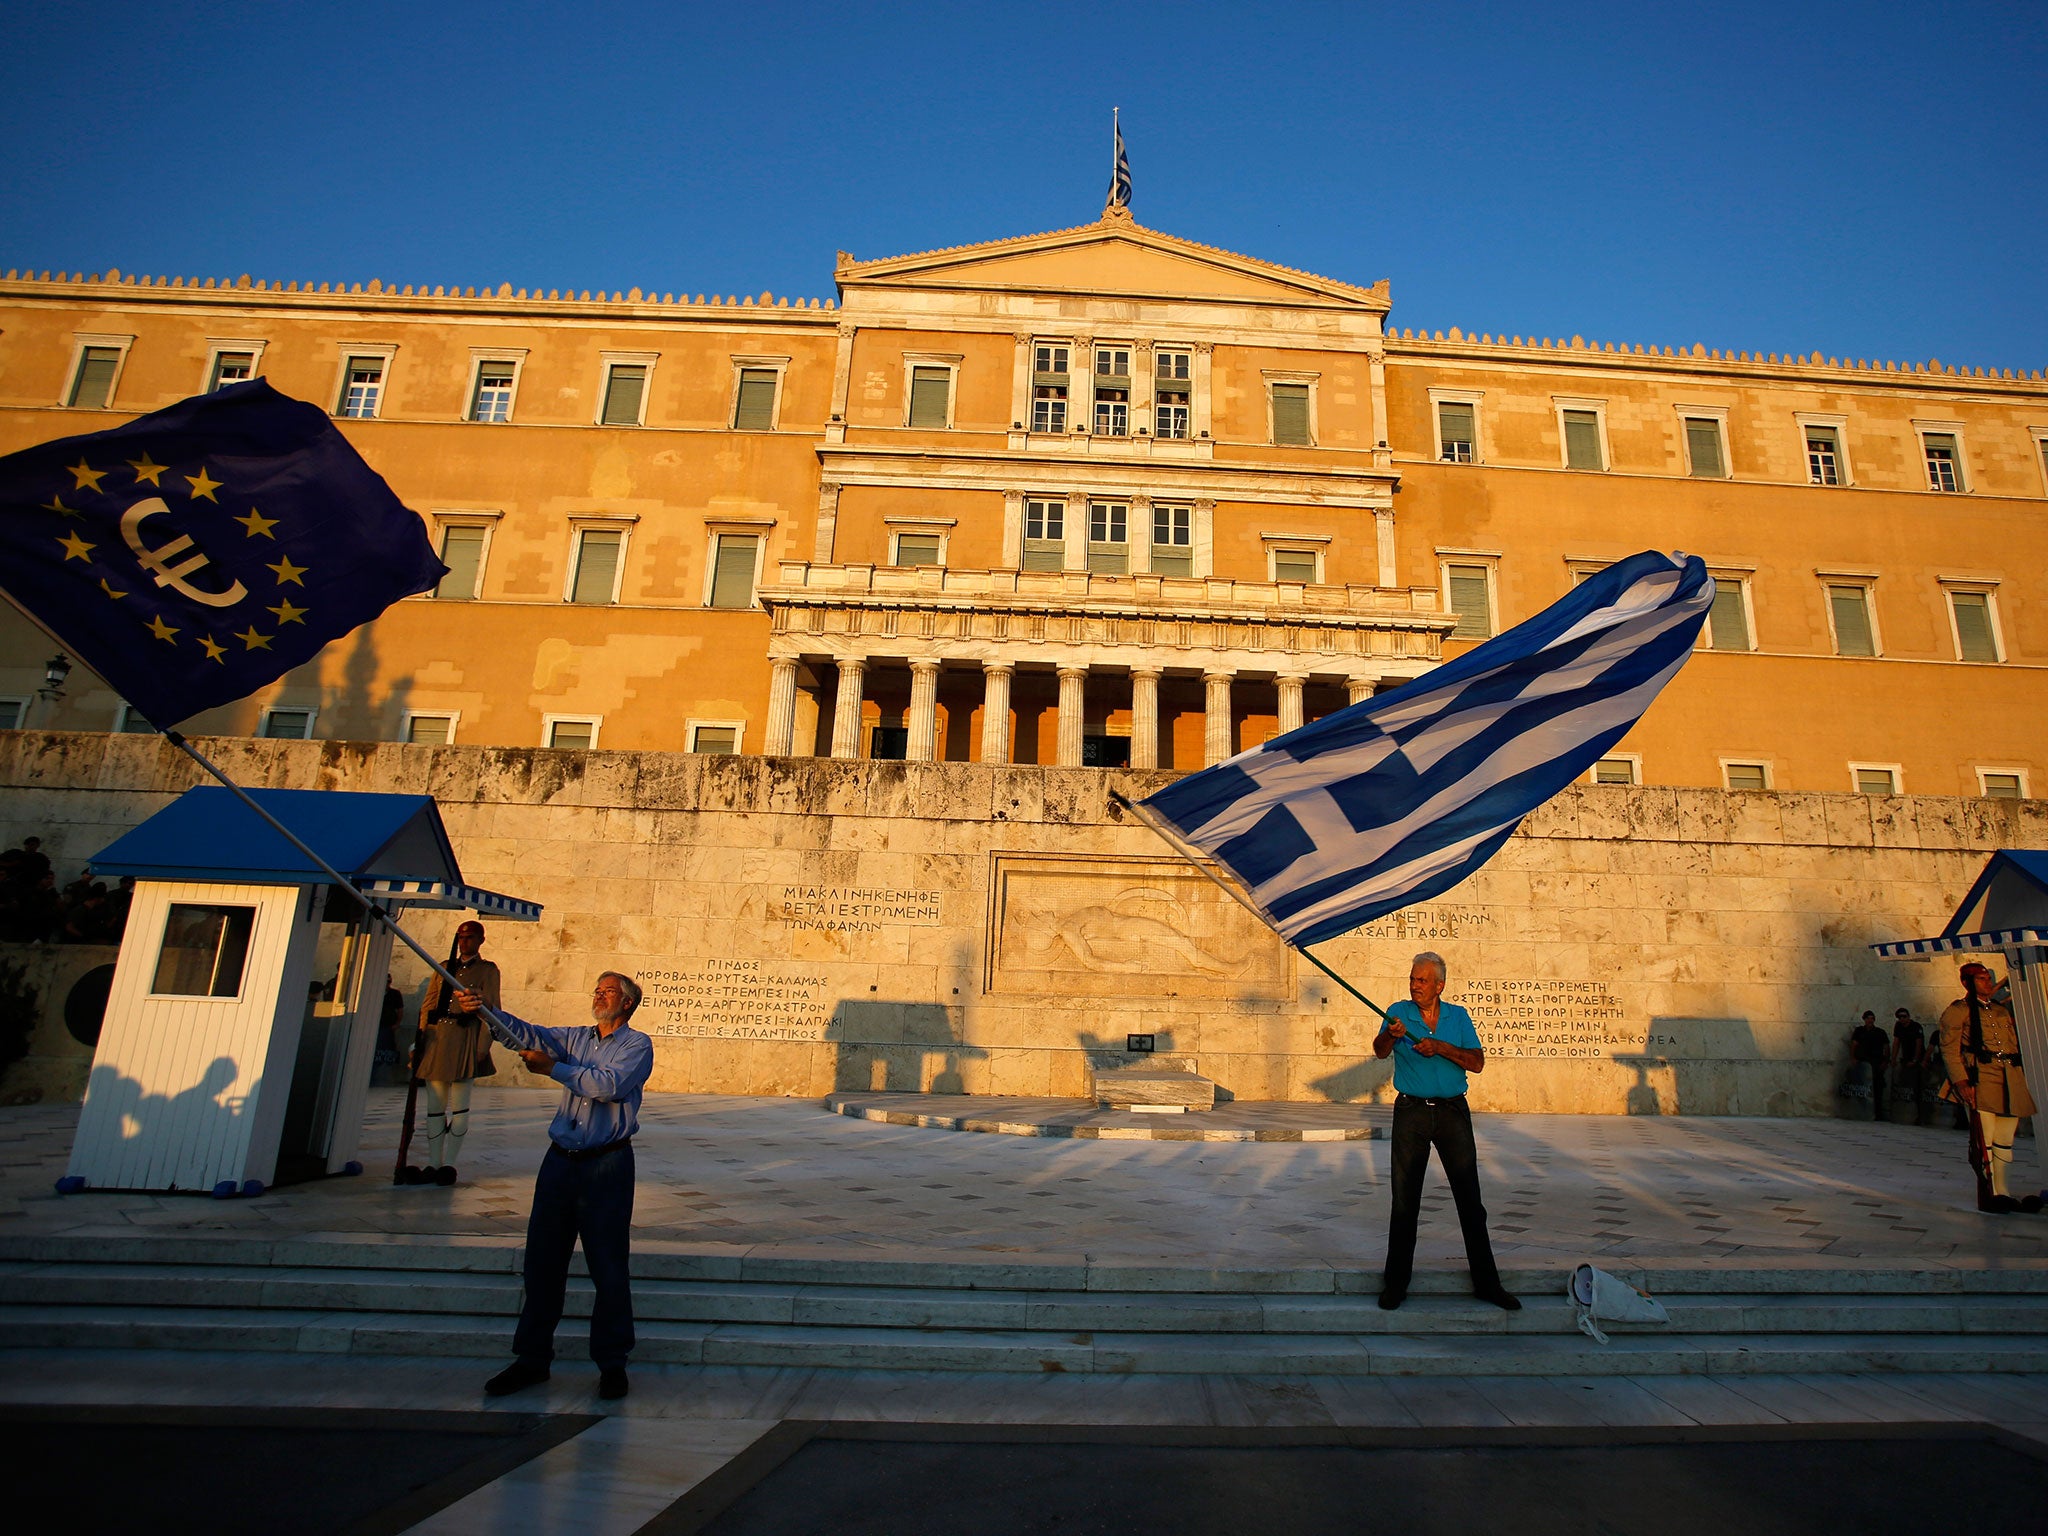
(1455, 418)
(570, 735)
(1614, 770)
(1746, 776)
(1728, 624)
(1290, 415)
(1468, 602)
(1974, 639)
(462, 551)
(95, 381)
(714, 738)
(1851, 607)
(917, 549)
(1703, 442)
(928, 396)
(732, 577)
(427, 730)
(597, 566)
(1582, 440)
(756, 409)
(623, 387)
(1875, 781)
(2002, 786)
(1294, 565)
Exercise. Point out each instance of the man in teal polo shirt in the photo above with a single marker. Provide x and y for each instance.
(1434, 1045)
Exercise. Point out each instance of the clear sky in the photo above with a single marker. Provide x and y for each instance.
(1868, 179)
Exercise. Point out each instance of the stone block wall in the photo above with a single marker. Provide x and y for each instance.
(805, 924)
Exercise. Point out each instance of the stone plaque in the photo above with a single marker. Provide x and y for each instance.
(852, 908)
(1562, 1019)
(736, 1000)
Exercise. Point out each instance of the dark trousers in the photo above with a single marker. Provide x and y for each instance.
(587, 1198)
(1878, 1089)
(1445, 1124)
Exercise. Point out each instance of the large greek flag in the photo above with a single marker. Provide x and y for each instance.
(1399, 797)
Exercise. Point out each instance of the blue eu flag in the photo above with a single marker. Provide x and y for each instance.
(204, 550)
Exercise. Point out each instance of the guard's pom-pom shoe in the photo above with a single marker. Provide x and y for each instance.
(445, 1174)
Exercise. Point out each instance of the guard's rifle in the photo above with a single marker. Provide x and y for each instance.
(412, 1102)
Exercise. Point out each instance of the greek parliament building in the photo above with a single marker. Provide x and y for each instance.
(1102, 496)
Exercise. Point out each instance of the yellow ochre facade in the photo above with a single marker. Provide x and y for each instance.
(1100, 496)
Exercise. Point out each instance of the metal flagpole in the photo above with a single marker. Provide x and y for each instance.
(1195, 857)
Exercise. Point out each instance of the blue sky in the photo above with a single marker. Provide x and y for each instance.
(1866, 179)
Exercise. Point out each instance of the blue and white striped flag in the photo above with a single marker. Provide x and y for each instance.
(1120, 172)
(1398, 798)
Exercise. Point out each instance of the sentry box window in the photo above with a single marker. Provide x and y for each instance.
(204, 952)
(1139, 1045)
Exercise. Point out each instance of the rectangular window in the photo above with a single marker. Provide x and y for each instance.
(1728, 621)
(1615, 770)
(917, 549)
(597, 565)
(231, 368)
(1113, 391)
(1745, 776)
(1456, 431)
(430, 730)
(1823, 456)
(1172, 368)
(1171, 393)
(1045, 535)
(732, 575)
(717, 739)
(205, 950)
(364, 384)
(572, 735)
(1294, 565)
(1976, 638)
(462, 551)
(1290, 415)
(493, 398)
(1703, 447)
(625, 388)
(287, 724)
(1173, 541)
(93, 386)
(1582, 440)
(754, 406)
(1113, 363)
(1944, 463)
(1109, 551)
(929, 389)
(889, 743)
(1048, 407)
(13, 713)
(1050, 358)
(2001, 786)
(1850, 608)
(1469, 601)
(1876, 781)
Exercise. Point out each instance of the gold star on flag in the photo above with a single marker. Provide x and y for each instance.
(88, 477)
(215, 651)
(56, 504)
(202, 486)
(251, 641)
(287, 572)
(75, 548)
(147, 469)
(287, 614)
(257, 523)
(161, 630)
(108, 588)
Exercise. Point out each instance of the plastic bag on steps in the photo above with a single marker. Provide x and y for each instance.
(1600, 1297)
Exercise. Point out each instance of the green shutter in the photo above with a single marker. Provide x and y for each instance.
(1728, 623)
(623, 387)
(714, 738)
(1614, 770)
(427, 730)
(928, 396)
(756, 409)
(1974, 639)
(462, 551)
(1294, 565)
(1875, 781)
(95, 381)
(917, 549)
(732, 575)
(1468, 602)
(1582, 440)
(1746, 776)
(1703, 443)
(1290, 415)
(1454, 418)
(597, 566)
(570, 735)
(1851, 607)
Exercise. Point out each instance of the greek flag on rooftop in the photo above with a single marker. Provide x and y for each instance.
(1120, 173)
(1399, 797)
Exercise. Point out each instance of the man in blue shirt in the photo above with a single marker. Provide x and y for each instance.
(585, 1185)
(1433, 1045)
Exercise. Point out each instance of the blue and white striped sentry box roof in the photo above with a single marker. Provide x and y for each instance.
(1959, 943)
(441, 893)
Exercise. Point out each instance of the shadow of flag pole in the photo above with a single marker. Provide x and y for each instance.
(1207, 866)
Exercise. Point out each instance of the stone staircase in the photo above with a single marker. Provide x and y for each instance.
(455, 1297)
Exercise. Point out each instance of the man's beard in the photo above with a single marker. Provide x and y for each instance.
(602, 1015)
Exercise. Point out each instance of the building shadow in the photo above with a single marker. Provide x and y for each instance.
(885, 1046)
(1701, 1066)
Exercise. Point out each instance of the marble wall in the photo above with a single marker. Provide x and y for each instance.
(805, 924)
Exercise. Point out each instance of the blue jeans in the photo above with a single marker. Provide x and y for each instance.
(587, 1198)
(1445, 1124)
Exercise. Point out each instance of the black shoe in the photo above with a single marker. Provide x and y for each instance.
(611, 1383)
(421, 1175)
(1391, 1298)
(1500, 1298)
(445, 1174)
(2031, 1204)
(516, 1377)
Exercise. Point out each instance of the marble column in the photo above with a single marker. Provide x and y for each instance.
(1215, 717)
(1073, 689)
(846, 709)
(1290, 685)
(1144, 717)
(995, 711)
(781, 706)
(924, 710)
(1357, 689)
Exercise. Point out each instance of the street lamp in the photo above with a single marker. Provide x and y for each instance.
(55, 670)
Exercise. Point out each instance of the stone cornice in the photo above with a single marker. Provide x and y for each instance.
(1211, 479)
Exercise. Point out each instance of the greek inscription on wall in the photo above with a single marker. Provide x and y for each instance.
(853, 908)
(1430, 923)
(736, 1000)
(1548, 1018)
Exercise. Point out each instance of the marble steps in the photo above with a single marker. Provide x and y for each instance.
(315, 1334)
